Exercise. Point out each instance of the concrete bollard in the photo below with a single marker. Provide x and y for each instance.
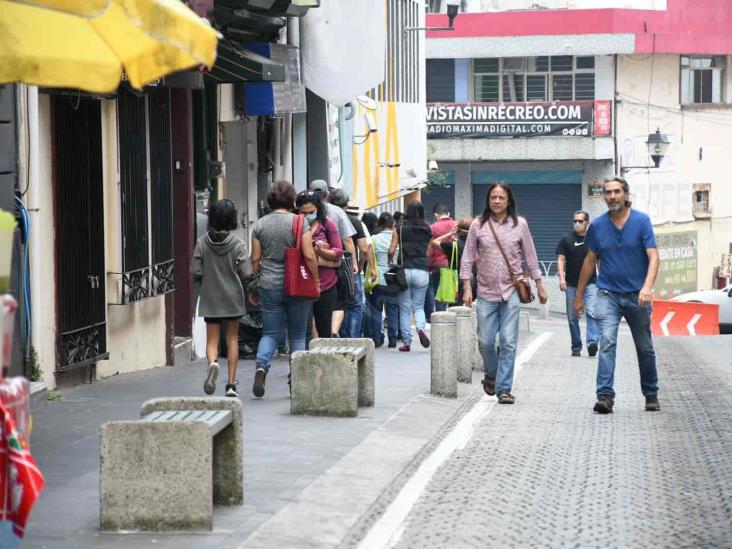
(477, 361)
(465, 343)
(442, 351)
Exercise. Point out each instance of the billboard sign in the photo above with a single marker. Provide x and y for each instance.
(678, 270)
(558, 118)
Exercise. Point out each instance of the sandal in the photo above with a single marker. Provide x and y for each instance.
(489, 386)
(506, 398)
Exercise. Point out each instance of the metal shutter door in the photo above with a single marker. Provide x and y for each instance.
(438, 194)
(548, 210)
(440, 80)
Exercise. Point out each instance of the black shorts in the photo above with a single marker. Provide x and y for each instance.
(220, 319)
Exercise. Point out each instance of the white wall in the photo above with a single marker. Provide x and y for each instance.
(699, 153)
(39, 202)
(135, 332)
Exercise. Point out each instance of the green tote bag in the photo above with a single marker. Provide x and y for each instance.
(448, 289)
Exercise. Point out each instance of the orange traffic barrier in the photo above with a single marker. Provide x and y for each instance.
(677, 318)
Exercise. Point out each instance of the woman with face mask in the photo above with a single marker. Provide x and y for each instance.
(328, 251)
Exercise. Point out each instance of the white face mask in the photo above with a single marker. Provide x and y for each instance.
(578, 226)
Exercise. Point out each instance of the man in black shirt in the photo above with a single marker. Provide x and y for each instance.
(571, 252)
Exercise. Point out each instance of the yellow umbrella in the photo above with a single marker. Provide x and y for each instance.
(86, 44)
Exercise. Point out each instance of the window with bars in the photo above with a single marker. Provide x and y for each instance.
(702, 79)
(543, 78)
(146, 194)
(700, 197)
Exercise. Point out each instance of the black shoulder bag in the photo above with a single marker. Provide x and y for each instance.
(396, 279)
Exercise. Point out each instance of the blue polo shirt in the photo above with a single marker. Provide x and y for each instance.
(621, 253)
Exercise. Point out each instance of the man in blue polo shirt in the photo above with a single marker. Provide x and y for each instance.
(623, 243)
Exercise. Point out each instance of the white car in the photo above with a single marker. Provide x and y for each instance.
(723, 298)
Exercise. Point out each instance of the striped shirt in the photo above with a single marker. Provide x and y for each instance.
(494, 279)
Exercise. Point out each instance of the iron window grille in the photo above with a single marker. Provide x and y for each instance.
(543, 78)
(146, 196)
(702, 79)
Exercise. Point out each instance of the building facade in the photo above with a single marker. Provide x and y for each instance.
(552, 101)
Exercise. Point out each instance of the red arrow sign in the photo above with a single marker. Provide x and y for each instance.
(675, 318)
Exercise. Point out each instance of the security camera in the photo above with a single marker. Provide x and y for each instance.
(432, 166)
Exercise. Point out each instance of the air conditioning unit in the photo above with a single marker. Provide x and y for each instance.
(514, 64)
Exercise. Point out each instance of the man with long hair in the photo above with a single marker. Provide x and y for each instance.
(498, 231)
(623, 241)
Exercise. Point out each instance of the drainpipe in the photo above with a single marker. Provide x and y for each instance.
(32, 201)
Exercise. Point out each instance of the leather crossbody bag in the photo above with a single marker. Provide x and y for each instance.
(521, 284)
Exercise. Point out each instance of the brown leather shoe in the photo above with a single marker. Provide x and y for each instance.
(604, 404)
(489, 386)
(652, 404)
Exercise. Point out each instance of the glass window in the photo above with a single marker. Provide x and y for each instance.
(562, 87)
(513, 87)
(585, 62)
(486, 65)
(536, 87)
(702, 79)
(542, 63)
(562, 63)
(584, 86)
(486, 87)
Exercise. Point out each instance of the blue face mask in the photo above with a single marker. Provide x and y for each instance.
(311, 217)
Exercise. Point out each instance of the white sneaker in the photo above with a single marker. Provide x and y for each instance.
(209, 386)
(231, 390)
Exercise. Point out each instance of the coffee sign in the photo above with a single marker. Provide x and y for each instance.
(560, 118)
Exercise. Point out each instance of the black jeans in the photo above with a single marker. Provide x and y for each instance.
(323, 312)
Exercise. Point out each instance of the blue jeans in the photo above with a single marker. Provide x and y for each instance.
(379, 297)
(430, 305)
(280, 313)
(411, 300)
(354, 313)
(502, 318)
(609, 309)
(593, 333)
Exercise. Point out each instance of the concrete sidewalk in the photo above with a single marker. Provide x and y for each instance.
(283, 454)
(548, 472)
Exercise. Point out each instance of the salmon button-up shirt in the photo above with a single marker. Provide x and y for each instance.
(494, 280)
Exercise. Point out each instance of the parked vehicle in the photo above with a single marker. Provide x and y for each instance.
(723, 298)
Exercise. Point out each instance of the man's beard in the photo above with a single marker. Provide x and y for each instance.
(615, 207)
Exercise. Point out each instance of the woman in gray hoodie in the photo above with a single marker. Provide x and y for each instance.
(220, 262)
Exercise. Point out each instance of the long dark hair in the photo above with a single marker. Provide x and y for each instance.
(315, 198)
(386, 221)
(415, 215)
(369, 219)
(512, 211)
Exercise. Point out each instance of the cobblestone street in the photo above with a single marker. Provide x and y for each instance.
(548, 472)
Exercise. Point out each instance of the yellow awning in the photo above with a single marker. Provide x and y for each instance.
(87, 44)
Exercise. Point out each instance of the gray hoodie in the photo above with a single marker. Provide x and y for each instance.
(220, 261)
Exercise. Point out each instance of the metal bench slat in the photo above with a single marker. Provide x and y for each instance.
(216, 419)
(220, 420)
(152, 416)
(165, 416)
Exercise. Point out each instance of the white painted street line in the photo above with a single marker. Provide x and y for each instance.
(387, 531)
(665, 321)
(692, 323)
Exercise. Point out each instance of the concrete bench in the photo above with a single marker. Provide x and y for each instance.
(165, 471)
(365, 364)
(333, 378)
